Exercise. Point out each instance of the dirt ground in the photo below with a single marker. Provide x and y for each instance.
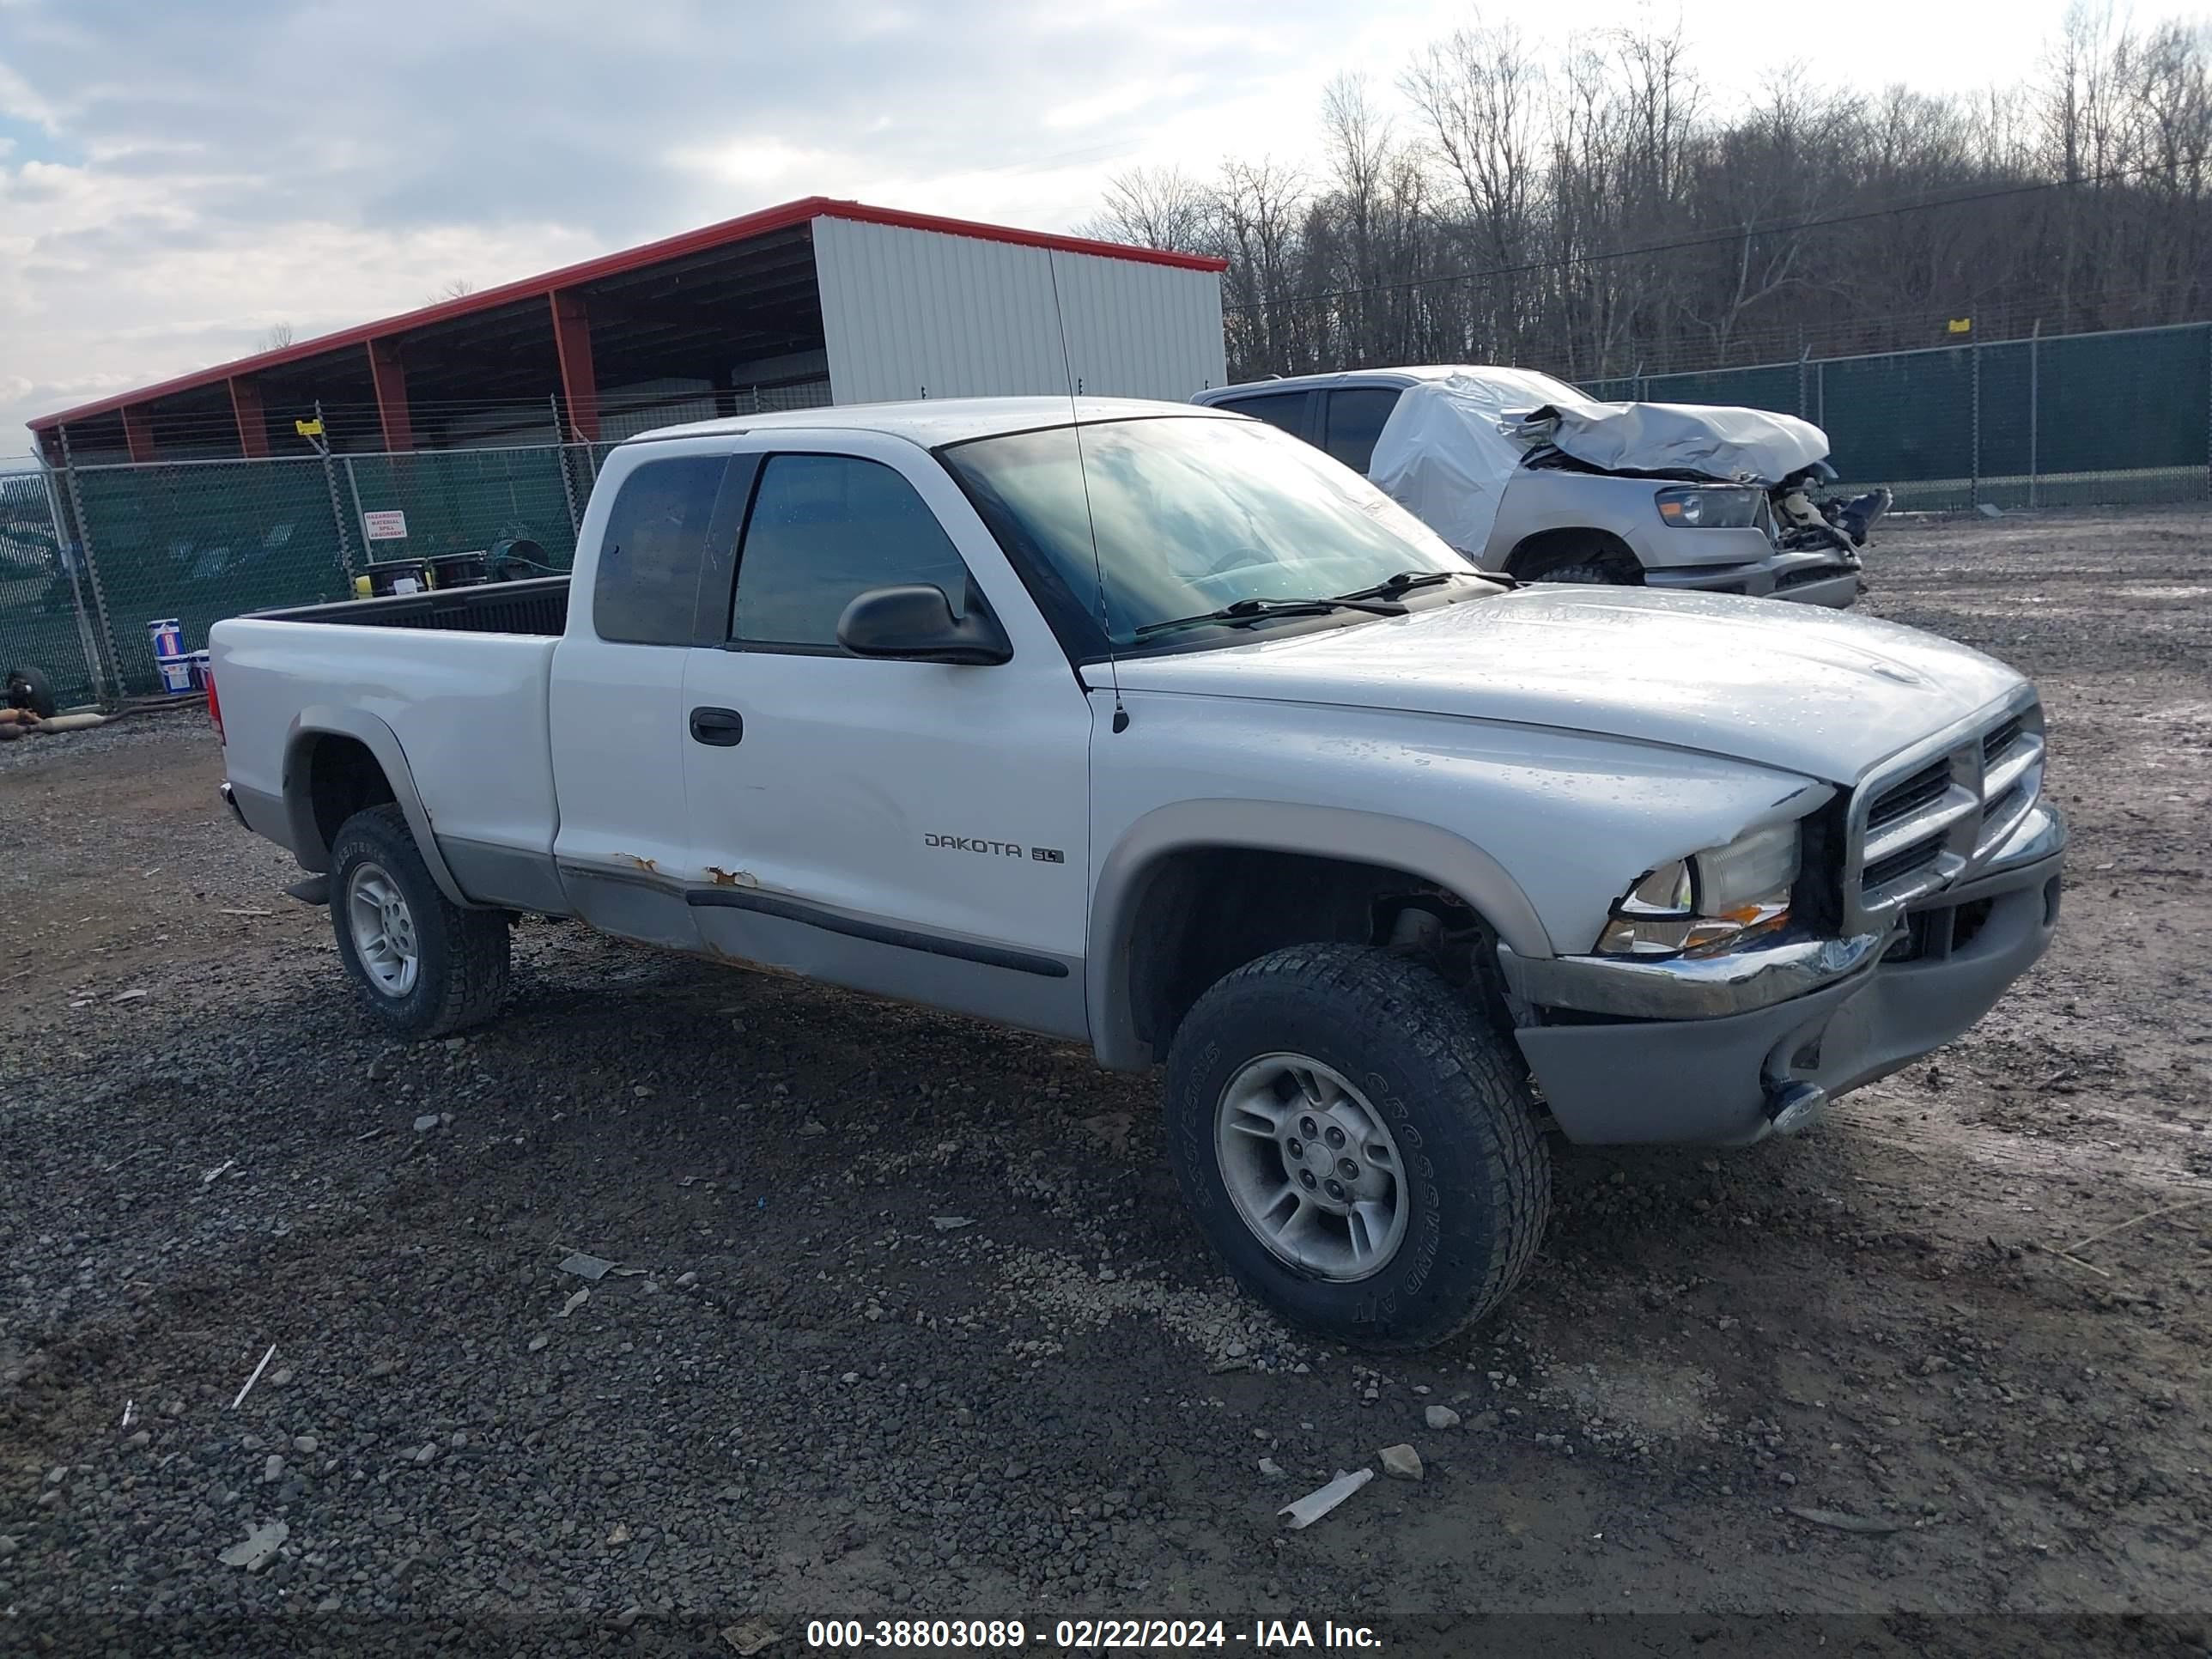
(917, 1326)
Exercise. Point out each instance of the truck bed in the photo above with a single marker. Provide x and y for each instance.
(450, 687)
(539, 605)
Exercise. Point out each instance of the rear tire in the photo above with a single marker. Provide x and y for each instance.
(1287, 1069)
(424, 966)
(36, 694)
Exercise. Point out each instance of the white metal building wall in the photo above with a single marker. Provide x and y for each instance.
(916, 313)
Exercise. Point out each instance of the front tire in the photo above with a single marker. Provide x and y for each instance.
(1590, 573)
(424, 966)
(1358, 1148)
(1591, 565)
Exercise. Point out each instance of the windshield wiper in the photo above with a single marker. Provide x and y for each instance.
(1406, 581)
(1253, 611)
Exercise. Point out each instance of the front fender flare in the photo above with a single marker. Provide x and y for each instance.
(326, 720)
(1421, 850)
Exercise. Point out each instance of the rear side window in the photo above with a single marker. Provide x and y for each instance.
(1287, 410)
(825, 528)
(647, 587)
(1356, 415)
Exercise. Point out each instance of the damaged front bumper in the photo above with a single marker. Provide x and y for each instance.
(1725, 1050)
(1828, 578)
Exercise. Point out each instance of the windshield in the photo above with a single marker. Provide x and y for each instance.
(1192, 515)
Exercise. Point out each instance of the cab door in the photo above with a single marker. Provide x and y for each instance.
(617, 700)
(915, 828)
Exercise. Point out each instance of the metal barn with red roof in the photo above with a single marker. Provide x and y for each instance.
(814, 301)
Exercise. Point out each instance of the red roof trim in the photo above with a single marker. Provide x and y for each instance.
(862, 213)
(614, 265)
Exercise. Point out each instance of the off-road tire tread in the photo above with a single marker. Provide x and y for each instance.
(1472, 1066)
(1592, 573)
(477, 942)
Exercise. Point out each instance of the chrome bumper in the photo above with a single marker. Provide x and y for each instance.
(1712, 987)
(1684, 989)
(1762, 1045)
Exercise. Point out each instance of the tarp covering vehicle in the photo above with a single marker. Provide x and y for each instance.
(1452, 446)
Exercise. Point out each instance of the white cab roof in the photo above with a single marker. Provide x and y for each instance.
(1399, 375)
(935, 421)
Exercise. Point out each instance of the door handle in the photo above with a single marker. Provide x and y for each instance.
(725, 728)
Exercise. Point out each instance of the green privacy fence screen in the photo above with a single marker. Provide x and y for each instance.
(90, 555)
(2078, 421)
(201, 541)
(43, 625)
(463, 500)
(198, 541)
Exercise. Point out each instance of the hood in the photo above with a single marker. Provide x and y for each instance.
(1817, 692)
(1740, 446)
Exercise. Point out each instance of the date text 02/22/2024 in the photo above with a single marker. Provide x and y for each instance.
(1088, 1635)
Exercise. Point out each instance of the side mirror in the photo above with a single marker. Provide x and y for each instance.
(914, 622)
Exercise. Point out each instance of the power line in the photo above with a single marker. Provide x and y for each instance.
(1709, 239)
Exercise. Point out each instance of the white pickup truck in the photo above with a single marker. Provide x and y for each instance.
(1151, 728)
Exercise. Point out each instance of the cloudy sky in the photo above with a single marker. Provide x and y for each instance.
(176, 176)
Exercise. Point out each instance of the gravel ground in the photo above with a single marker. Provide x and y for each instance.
(907, 1319)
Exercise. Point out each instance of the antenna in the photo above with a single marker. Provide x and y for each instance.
(1083, 471)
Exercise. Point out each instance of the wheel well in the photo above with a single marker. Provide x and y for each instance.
(1547, 550)
(1201, 913)
(342, 777)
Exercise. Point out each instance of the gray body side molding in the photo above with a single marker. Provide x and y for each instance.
(1421, 850)
(325, 720)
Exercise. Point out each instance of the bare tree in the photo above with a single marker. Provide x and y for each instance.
(1597, 215)
(1257, 205)
(1478, 92)
(1768, 177)
(274, 338)
(1358, 142)
(1154, 207)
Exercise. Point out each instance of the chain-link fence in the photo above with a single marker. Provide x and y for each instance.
(463, 500)
(90, 555)
(198, 541)
(2077, 421)
(44, 621)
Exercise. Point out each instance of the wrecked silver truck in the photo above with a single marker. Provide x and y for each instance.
(1523, 474)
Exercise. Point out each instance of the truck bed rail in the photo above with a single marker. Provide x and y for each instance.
(539, 605)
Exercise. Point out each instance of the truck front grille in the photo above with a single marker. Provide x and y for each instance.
(1930, 784)
(1930, 818)
(1903, 862)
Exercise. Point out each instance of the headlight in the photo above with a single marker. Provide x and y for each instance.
(1710, 902)
(1709, 509)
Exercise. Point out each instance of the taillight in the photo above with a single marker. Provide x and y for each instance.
(214, 708)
